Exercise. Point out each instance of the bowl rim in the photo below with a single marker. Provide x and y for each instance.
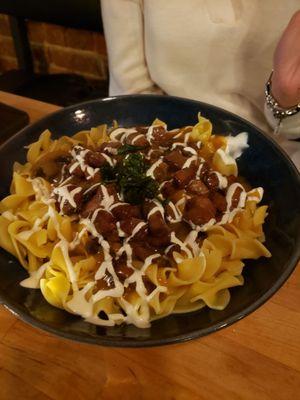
(135, 342)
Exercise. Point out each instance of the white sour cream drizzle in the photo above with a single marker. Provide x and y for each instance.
(186, 135)
(120, 134)
(223, 183)
(234, 148)
(111, 150)
(79, 304)
(190, 241)
(136, 229)
(63, 182)
(226, 158)
(177, 144)
(134, 140)
(141, 319)
(78, 153)
(106, 265)
(149, 134)
(182, 245)
(186, 148)
(62, 244)
(25, 235)
(117, 205)
(237, 144)
(163, 183)
(65, 196)
(41, 192)
(33, 281)
(198, 173)
(91, 188)
(181, 201)
(190, 150)
(148, 156)
(121, 233)
(189, 161)
(177, 213)
(62, 174)
(157, 208)
(107, 200)
(110, 161)
(126, 248)
(150, 171)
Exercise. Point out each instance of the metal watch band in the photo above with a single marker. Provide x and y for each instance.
(278, 112)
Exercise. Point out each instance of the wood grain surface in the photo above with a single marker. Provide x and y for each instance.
(257, 358)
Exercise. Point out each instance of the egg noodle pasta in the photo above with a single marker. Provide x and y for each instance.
(128, 225)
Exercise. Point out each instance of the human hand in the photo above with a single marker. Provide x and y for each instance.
(286, 76)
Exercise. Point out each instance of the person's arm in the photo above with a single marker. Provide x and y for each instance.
(286, 78)
(124, 33)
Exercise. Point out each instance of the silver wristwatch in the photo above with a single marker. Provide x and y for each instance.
(279, 112)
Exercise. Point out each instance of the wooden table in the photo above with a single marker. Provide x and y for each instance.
(256, 358)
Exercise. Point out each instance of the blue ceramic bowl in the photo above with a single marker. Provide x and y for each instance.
(263, 164)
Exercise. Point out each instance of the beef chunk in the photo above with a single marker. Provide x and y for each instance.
(94, 159)
(219, 201)
(175, 159)
(125, 211)
(196, 186)
(184, 176)
(199, 210)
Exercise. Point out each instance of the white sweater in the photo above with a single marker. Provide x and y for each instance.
(216, 51)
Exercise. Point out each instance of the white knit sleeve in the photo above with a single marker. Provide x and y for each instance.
(124, 33)
(289, 130)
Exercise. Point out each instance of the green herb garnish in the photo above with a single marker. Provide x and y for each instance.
(133, 182)
(130, 176)
(108, 173)
(134, 165)
(129, 148)
(136, 191)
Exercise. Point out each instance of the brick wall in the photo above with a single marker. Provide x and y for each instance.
(57, 49)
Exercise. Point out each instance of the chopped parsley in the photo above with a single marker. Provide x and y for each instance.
(108, 173)
(130, 176)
